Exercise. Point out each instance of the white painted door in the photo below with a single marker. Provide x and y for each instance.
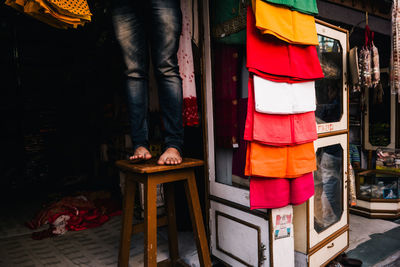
(331, 91)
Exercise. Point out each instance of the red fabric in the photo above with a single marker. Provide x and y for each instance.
(274, 59)
(278, 130)
(86, 211)
(190, 111)
(271, 193)
(226, 80)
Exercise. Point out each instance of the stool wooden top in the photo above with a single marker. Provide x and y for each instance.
(151, 166)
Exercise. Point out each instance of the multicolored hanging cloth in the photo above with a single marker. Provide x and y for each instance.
(290, 26)
(278, 61)
(304, 6)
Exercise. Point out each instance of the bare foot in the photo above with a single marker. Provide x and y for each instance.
(141, 153)
(171, 156)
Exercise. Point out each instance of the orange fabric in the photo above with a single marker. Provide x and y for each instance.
(290, 26)
(280, 162)
(77, 12)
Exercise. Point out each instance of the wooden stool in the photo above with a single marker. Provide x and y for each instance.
(150, 174)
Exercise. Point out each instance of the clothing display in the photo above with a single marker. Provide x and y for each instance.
(60, 14)
(227, 71)
(186, 68)
(290, 26)
(280, 122)
(283, 98)
(267, 193)
(278, 61)
(303, 6)
(278, 130)
(279, 162)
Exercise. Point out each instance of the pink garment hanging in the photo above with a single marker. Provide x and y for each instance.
(186, 68)
(278, 130)
(276, 60)
(271, 193)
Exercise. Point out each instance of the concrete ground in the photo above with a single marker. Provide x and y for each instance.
(376, 242)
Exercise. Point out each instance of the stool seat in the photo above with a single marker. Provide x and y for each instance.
(150, 174)
(151, 166)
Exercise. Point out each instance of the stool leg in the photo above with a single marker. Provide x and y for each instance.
(172, 232)
(150, 222)
(127, 220)
(197, 220)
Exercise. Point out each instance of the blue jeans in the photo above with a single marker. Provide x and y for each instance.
(154, 24)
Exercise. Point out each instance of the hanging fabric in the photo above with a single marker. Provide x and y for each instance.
(354, 69)
(239, 154)
(278, 61)
(369, 43)
(304, 6)
(290, 26)
(369, 61)
(229, 21)
(283, 98)
(186, 68)
(278, 130)
(395, 49)
(60, 14)
(272, 193)
(280, 162)
(226, 77)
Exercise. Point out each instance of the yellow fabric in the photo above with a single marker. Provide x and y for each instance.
(290, 26)
(62, 14)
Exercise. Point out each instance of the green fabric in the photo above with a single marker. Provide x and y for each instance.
(303, 6)
(222, 11)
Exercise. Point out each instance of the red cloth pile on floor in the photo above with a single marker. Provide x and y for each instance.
(75, 213)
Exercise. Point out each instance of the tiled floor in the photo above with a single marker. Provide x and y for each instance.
(376, 242)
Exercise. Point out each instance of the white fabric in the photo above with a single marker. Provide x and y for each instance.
(283, 98)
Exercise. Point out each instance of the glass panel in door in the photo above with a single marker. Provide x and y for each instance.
(329, 90)
(328, 182)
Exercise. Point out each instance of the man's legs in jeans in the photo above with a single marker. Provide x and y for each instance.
(165, 31)
(129, 25)
(132, 31)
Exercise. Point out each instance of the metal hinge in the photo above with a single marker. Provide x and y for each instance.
(261, 254)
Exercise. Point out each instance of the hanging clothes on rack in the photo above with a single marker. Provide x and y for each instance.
(290, 26)
(280, 122)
